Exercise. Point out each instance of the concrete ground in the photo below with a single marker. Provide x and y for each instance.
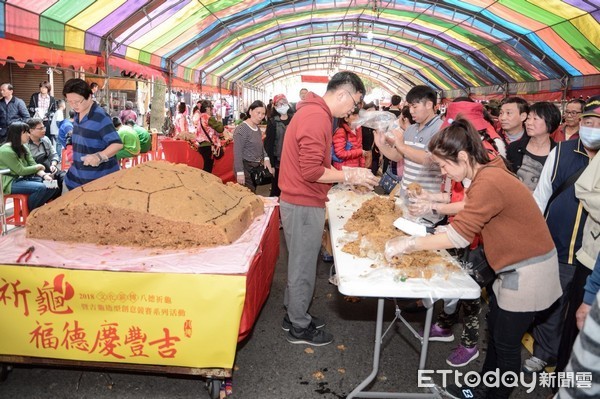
(267, 366)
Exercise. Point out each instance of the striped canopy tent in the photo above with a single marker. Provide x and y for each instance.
(448, 44)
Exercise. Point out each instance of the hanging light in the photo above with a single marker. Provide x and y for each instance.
(343, 61)
(354, 53)
(370, 34)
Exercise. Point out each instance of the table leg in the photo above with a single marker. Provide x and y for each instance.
(376, 352)
(358, 391)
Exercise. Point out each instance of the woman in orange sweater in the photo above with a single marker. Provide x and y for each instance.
(518, 245)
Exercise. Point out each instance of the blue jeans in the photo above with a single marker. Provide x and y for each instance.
(39, 194)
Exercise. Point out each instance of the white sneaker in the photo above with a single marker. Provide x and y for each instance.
(534, 365)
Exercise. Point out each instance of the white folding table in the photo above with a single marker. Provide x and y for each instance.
(357, 277)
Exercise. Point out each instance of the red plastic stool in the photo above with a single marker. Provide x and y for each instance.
(20, 209)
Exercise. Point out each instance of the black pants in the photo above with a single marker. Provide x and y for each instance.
(504, 343)
(569, 325)
(275, 191)
(206, 154)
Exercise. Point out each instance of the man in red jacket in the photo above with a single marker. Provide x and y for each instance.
(305, 178)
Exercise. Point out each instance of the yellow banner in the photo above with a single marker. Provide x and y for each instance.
(189, 320)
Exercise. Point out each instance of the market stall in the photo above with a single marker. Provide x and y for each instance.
(180, 151)
(367, 276)
(166, 311)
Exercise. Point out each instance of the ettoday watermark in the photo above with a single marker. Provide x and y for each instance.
(495, 379)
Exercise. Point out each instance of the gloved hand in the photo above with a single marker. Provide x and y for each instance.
(359, 176)
(441, 229)
(241, 179)
(267, 163)
(400, 245)
(420, 208)
(424, 196)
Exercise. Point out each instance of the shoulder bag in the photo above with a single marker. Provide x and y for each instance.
(260, 175)
(217, 150)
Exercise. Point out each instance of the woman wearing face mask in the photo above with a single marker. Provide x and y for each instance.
(278, 120)
(566, 218)
(500, 208)
(347, 143)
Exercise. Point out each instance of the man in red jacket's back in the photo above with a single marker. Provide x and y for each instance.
(305, 177)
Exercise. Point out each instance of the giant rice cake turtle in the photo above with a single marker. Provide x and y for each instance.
(155, 204)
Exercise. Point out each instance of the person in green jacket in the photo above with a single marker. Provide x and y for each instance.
(25, 176)
(131, 142)
(143, 135)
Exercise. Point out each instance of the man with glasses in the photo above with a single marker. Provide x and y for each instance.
(305, 178)
(42, 150)
(572, 116)
(95, 139)
(12, 109)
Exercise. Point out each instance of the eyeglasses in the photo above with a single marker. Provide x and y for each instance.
(572, 113)
(40, 128)
(355, 103)
(75, 103)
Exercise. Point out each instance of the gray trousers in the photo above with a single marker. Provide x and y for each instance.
(548, 324)
(303, 230)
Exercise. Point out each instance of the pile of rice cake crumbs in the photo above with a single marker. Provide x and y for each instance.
(422, 264)
(373, 222)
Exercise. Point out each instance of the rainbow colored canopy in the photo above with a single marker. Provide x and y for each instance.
(447, 44)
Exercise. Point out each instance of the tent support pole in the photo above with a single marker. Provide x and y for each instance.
(107, 66)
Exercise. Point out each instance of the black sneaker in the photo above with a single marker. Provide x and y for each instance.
(464, 392)
(286, 324)
(309, 336)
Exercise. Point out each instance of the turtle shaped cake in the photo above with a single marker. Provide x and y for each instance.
(154, 204)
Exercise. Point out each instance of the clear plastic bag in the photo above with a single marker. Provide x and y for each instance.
(382, 121)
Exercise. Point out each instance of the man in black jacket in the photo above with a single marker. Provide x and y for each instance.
(12, 109)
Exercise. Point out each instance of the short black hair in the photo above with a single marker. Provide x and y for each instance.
(421, 93)
(116, 121)
(549, 113)
(77, 86)
(130, 122)
(33, 122)
(93, 85)
(577, 101)
(346, 78)
(72, 114)
(254, 105)
(396, 99)
(522, 104)
(204, 105)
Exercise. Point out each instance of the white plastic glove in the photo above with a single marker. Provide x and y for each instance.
(441, 229)
(241, 179)
(400, 245)
(267, 163)
(359, 176)
(420, 208)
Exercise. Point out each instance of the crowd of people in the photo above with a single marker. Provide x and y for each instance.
(494, 178)
(34, 139)
(517, 180)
